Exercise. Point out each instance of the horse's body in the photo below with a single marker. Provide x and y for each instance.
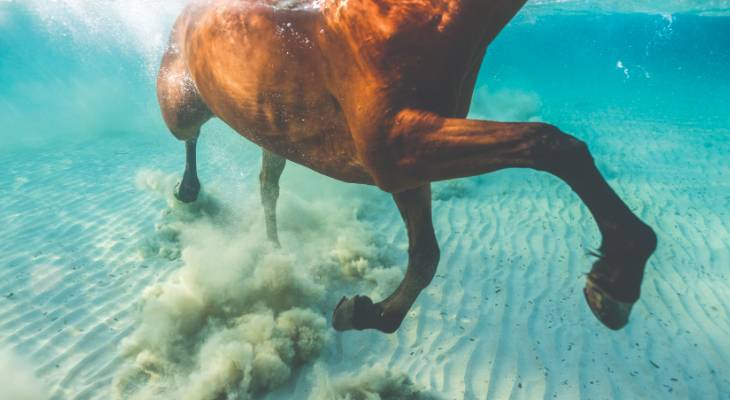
(376, 92)
(298, 80)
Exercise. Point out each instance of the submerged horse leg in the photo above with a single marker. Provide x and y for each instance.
(272, 166)
(184, 113)
(426, 147)
(189, 188)
(359, 312)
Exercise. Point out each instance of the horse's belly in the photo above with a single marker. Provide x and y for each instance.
(314, 134)
(262, 73)
(314, 138)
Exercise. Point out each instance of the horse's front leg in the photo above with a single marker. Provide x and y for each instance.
(423, 257)
(422, 147)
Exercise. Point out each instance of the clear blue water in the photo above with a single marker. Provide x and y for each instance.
(649, 92)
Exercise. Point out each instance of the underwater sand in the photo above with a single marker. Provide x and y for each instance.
(504, 317)
(109, 288)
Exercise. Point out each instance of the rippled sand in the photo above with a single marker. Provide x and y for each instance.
(111, 289)
(504, 317)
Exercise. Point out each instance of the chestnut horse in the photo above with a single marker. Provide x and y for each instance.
(377, 92)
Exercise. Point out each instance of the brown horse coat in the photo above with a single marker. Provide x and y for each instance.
(376, 92)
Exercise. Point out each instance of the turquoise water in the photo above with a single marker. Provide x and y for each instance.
(648, 91)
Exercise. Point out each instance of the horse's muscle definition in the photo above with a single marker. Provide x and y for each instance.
(376, 92)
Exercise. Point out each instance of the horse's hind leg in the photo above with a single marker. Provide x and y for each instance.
(423, 257)
(272, 165)
(184, 113)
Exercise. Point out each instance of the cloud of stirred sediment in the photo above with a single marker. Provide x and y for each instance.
(240, 316)
(17, 380)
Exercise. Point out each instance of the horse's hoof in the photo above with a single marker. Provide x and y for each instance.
(614, 284)
(613, 313)
(187, 193)
(357, 312)
(342, 317)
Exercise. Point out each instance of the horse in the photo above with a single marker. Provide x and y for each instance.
(377, 92)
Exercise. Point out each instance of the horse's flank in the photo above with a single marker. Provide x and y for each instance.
(303, 79)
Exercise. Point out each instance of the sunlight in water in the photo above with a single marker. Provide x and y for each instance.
(110, 287)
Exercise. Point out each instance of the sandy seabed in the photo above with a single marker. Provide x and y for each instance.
(109, 288)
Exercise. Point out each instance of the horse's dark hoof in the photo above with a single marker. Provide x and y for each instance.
(187, 193)
(343, 315)
(360, 313)
(611, 312)
(357, 312)
(614, 284)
